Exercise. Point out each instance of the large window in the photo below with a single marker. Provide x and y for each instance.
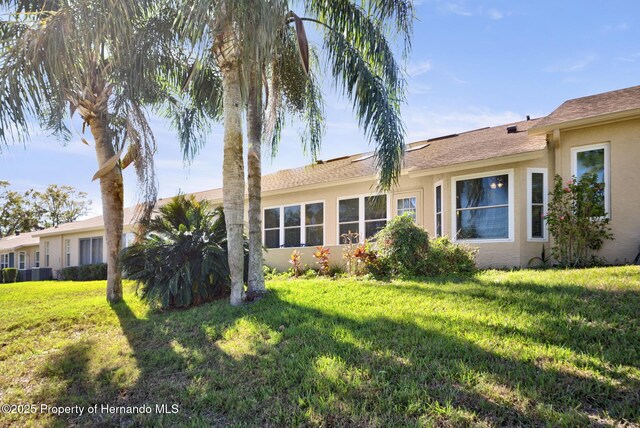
(91, 251)
(47, 244)
(364, 215)
(537, 193)
(67, 252)
(483, 207)
(407, 205)
(593, 159)
(438, 208)
(294, 225)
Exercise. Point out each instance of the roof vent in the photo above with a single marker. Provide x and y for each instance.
(528, 117)
(512, 129)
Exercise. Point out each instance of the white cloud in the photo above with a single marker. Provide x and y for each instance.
(494, 14)
(616, 28)
(415, 69)
(571, 65)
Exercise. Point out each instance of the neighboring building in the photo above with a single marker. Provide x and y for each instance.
(487, 188)
(19, 251)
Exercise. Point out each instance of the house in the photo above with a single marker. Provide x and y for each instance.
(487, 188)
(19, 251)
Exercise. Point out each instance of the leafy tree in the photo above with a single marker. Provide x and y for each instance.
(244, 37)
(17, 213)
(61, 204)
(101, 59)
(181, 260)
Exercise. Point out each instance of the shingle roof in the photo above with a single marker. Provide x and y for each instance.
(87, 224)
(481, 144)
(18, 241)
(593, 106)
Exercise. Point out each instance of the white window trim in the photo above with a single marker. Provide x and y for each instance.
(90, 239)
(361, 221)
(36, 259)
(545, 203)
(435, 205)
(511, 206)
(47, 246)
(607, 169)
(67, 252)
(303, 223)
(402, 197)
(22, 255)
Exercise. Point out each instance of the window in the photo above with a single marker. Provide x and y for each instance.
(593, 159)
(67, 252)
(22, 260)
(90, 251)
(36, 261)
(4, 261)
(366, 214)
(127, 239)
(537, 193)
(46, 253)
(438, 208)
(294, 225)
(407, 205)
(483, 207)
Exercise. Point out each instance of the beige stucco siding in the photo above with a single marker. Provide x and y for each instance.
(623, 139)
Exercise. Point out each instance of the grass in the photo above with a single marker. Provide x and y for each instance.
(500, 348)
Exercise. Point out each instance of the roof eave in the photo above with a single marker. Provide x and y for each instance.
(584, 122)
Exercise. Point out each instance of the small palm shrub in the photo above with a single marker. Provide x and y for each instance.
(181, 259)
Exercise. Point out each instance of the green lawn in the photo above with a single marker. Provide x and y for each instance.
(500, 348)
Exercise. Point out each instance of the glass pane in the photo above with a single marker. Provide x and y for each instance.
(486, 223)
(375, 207)
(348, 210)
(400, 206)
(439, 199)
(537, 221)
(591, 161)
(482, 192)
(292, 237)
(438, 224)
(272, 238)
(537, 188)
(292, 216)
(96, 250)
(349, 227)
(412, 203)
(313, 235)
(373, 227)
(272, 218)
(85, 251)
(314, 213)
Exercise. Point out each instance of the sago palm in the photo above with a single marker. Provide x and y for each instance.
(101, 59)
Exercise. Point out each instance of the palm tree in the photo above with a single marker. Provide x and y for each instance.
(249, 40)
(99, 58)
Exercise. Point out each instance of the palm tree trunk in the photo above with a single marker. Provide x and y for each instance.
(233, 178)
(112, 191)
(255, 286)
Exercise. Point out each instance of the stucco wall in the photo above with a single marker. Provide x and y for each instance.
(624, 145)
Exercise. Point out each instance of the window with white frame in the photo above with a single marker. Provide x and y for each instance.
(127, 240)
(90, 250)
(438, 209)
(296, 225)
(46, 253)
(67, 252)
(407, 205)
(36, 259)
(483, 206)
(537, 194)
(22, 260)
(594, 159)
(364, 215)
(4, 261)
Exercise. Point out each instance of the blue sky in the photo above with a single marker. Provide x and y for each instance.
(473, 64)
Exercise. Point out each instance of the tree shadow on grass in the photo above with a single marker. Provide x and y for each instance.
(278, 363)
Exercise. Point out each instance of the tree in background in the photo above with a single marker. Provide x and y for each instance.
(16, 211)
(61, 204)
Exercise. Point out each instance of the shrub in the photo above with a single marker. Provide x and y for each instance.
(70, 273)
(577, 221)
(445, 257)
(181, 260)
(350, 239)
(403, 244)
(93, 272)
(9, 275)
(322, 259)
(296, 263)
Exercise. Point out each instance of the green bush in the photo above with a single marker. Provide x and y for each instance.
(9, 275)
(94, 272)
(70, 273)
(402, 244)
(182, 259)
(445, 257)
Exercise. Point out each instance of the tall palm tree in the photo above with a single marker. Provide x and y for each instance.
(249, 41)
(99, 58)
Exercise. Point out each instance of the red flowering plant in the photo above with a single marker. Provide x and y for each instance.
(577, 220)
(322, 259)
